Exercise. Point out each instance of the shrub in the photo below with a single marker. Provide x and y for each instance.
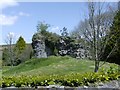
(72, 80)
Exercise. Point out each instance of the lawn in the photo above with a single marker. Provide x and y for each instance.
(53, 65)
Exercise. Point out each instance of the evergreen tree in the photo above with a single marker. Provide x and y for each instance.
(20, 45)
(112, 50)
(19, 49)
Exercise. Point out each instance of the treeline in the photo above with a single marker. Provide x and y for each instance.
(14, 54)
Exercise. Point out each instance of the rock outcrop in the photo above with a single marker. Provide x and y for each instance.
(76, 50)
(38, 45)
(65, 47)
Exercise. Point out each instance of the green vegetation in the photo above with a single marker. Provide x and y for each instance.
(65, 71)
(49, 37)
(19, 50)
(53, 65)
(17, 56)
(20, 45)
(0, 69)
(73, 80)
(5, 57)
(113, 45)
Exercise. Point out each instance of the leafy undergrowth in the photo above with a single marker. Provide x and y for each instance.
(72, 80)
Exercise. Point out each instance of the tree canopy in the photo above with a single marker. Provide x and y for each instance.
(112, 50)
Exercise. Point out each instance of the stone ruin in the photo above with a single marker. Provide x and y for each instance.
(76, 50)
(38, 45)
(81, 52)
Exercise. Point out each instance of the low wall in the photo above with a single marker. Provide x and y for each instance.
(65, 88)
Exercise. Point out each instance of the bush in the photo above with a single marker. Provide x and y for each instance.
(72, 80)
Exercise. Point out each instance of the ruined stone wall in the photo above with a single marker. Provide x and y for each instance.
(38, 45)
(76, 50)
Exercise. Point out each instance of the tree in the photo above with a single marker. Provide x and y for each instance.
(20, 45)
(95, 29)
(64, 32)
(113, 43)
(5, 57)
(19, 49)
(42, 28)
(100, 29)
(10, 41)
(99, 24)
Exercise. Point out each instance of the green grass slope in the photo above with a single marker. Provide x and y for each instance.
(53, 65)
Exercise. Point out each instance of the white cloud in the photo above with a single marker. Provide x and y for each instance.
(23, 14)
(7, 20)
(55, 30)
(7, 3)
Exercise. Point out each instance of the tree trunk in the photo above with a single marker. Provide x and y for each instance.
(96, 66)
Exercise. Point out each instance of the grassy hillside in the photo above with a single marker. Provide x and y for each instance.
(53, 65)
(0, 71)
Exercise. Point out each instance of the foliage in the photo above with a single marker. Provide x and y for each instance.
(51, 41)
(94, 28)
(19, 49)
(5, 57)
(38, 36)
(58, 70)
(49, 37)
(20, 45)
(113, 45)
(64, 32)
(10, 41)
(21, 52)
(72, 80)
(26, 54)
(42, 28)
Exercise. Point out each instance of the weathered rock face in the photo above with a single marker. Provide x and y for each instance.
(81, 52)
(62, 48)
(48, 51)
(76, 50)
(38, 45)
(65, 47)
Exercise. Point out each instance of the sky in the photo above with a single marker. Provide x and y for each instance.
(21, 18)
